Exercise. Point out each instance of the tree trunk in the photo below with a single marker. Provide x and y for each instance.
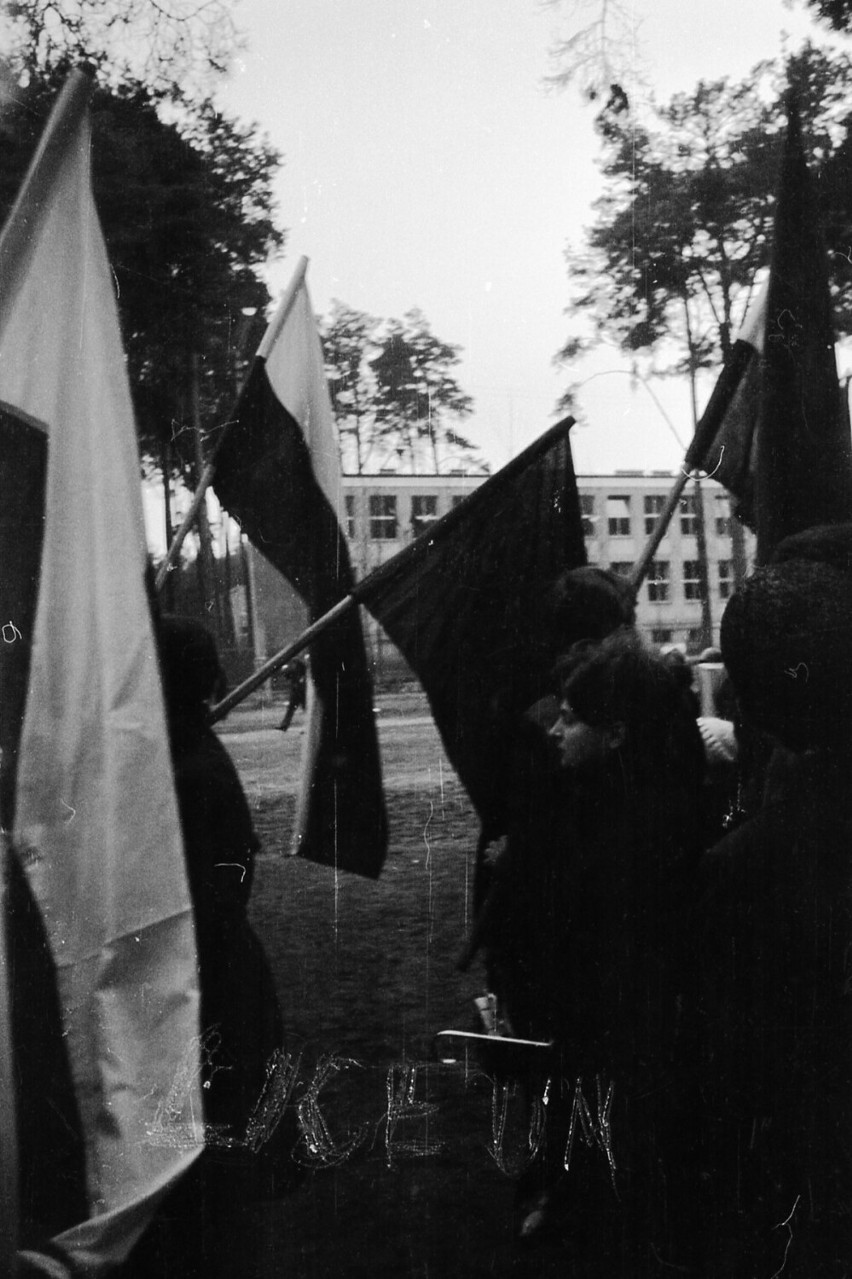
(209, 586)
(168, 527)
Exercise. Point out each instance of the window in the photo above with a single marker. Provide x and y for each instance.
(350, 515)
(587, 514)
(654, 503)
(726, 579)
(383, 517)
(723, 515)
(424, 511)
(661, 635)
(454, 501)
(658, 583)
(695, 637)
(692, 580)
(618, 516)
(688, 515)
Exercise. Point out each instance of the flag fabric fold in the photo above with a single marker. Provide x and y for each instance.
(276, 470)
(803, 463)
(775, 431)
(465, 604)
(723, 444)
(88, 782)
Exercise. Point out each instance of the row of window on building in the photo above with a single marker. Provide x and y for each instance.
(619, 516)
(384, 524)
(383, 517)
(659, 581)
(693, 637)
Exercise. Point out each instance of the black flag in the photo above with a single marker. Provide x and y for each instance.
(465, 604)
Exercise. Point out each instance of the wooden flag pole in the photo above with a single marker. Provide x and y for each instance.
(637, 576)
(186, 524)
(284, 655)
(272, 330)
(285, 306)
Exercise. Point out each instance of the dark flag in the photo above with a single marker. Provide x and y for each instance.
(723, 444)
(775, 431)
(803, 464)
(277, 472)
(465, 603)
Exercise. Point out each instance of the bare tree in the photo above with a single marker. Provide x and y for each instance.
(600, 53)
(160, 42)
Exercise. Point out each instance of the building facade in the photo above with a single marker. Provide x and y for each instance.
(620, 513)
(383, 512)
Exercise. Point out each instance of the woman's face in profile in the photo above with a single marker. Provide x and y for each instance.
(580, 743)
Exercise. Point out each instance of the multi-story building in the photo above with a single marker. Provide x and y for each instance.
(620, 513)
(384, 512)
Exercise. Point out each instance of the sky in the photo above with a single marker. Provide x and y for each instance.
(428, 164)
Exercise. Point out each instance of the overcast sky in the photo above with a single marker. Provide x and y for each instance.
(427, 164)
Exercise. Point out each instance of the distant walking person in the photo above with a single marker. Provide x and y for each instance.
(296, 674)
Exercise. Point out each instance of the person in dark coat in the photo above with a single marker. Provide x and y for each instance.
(581, 607)
(584, 933)
(240, 1015)
(241, 1020)
(774, 924)
(296, 675)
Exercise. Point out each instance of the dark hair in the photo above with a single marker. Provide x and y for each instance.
(619, 681)
(785, 639)
(679, 667)
(189, 663)
(587, 603)
(829, 544)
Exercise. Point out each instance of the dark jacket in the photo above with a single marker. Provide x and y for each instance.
(774, 923)
(587, 941)
(240, 1016)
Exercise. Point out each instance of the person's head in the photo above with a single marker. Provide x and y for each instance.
(617, 698)
(679, 667)
(786, 637)
(580, 743)
(587, 603)
(189, 663)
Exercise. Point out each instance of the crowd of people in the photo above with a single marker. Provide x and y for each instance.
(670, 909)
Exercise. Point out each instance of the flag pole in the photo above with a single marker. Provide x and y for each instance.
(285, 306)
(207, 476)
(637, 576)
(186, 524)
(284, 655)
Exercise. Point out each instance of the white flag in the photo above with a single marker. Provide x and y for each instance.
(277, 471)
(96, 820)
